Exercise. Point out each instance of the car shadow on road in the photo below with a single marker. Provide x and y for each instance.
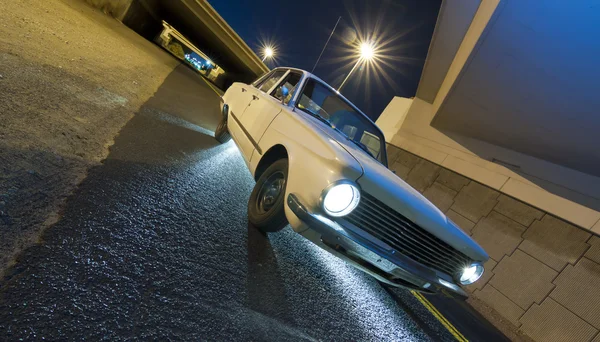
(266, 292)
(185, 94)
(149, 138)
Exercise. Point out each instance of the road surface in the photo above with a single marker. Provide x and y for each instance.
(155, 245)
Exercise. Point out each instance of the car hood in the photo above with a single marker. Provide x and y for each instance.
(379, 181)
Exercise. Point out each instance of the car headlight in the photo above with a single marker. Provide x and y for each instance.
(340, 198)
(471, 274)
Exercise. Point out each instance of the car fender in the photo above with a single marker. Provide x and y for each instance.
(226, 98)
(315, 161)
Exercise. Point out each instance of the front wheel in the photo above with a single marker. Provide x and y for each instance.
(266, 204)
(221, 133)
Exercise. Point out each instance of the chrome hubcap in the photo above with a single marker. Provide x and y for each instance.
(270, 191)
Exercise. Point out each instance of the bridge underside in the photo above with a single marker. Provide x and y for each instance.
(198, 22)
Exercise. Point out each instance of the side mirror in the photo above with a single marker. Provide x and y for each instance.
(284, 93)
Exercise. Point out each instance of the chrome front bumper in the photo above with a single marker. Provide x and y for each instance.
(355, 248)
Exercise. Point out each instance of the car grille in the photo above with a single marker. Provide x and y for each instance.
(387, 225)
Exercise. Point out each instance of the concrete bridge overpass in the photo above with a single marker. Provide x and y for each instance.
(201, 25)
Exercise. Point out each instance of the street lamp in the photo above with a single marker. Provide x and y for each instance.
(367, 53)
(268, 53)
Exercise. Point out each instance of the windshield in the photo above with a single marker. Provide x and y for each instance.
(319, 100)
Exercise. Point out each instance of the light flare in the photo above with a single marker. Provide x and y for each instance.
(376, 57)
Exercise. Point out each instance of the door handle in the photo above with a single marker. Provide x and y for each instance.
(244, 90)
(254, 97)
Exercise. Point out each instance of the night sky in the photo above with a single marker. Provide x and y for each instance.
(299, 30)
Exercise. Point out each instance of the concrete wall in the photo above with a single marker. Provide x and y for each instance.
(537, 220)
(566, 193)
(393, 116)
(485, 13)
(454, 20)
(530, 84)
(543, 274)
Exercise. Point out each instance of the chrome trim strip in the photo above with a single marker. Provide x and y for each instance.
(254, 143)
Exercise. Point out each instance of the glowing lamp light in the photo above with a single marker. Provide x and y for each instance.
(368, 56)
(471, 274)
(340, 199)
(268, 52)
(366, 51)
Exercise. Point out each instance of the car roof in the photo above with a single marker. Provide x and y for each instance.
(313, 76)
(306, 73)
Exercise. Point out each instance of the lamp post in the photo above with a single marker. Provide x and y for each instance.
(367, 52)
(327, 42)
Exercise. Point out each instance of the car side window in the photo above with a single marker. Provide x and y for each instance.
(371, 141)
(289, 83)
(270, 82)
(262, 79)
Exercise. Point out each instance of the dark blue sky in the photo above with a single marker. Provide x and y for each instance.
(299, 29)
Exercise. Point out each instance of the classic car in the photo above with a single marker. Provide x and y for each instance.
(320, 165)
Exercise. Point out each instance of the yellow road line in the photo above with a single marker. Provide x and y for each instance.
(427, 304)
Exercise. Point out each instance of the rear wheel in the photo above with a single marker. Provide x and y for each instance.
(221, 133)
(266, 204)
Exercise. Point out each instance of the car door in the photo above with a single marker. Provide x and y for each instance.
(268, 103)
(238, 98)
(243, 99)
(239, 95)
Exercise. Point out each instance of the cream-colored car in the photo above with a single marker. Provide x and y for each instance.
(320, 165)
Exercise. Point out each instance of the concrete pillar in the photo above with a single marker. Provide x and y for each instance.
(115, 8)
(142, 16)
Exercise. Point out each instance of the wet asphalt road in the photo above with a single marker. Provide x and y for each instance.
(155, 245)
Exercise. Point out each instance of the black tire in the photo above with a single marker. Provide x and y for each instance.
(221, 133)
(266, 210)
